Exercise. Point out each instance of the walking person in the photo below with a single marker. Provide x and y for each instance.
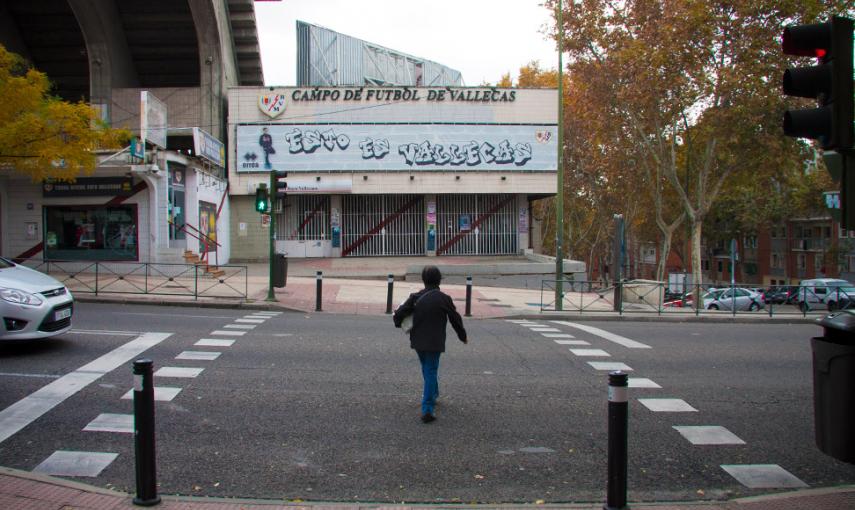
(431, 310)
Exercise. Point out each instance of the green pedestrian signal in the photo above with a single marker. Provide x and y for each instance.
(262, 199)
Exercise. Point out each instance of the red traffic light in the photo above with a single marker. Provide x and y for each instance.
(807, 40)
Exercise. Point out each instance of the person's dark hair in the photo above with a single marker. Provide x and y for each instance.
(431, 275)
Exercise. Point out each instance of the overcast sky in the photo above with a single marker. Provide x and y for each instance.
(483, 39)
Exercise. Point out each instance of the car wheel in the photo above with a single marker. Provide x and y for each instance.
(713, 307)
(754, 307)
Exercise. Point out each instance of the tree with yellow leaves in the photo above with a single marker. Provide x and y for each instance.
(43, 136)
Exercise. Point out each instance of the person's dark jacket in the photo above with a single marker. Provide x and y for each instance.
(431, 309)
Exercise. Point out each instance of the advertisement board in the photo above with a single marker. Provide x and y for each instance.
(396, 147)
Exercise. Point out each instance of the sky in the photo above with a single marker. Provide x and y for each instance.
(483, 39)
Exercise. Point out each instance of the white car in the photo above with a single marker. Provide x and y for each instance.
(32, 304)
(831, 293)
(733, 298)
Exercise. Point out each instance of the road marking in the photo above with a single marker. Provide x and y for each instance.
(558, 335)
(25, 411)
(40, 376)
(706, 434)
(176, 315)
(546, 330)
(65, 463)
(591, 352)
(610, 365)
(103, 332)
(667, 405)
(239, 326)
(107, 422)
(268, 314)
(611, 337)
(251, 321)
(763, 476)
(161, 393)
(642, 382)
(214, 342)
(571, 342)
(228, 333)
(199, 355)
(178, 372)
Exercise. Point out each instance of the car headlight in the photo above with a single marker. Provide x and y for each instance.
(19, 297)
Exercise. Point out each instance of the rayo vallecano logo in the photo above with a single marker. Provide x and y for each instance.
(271, 104)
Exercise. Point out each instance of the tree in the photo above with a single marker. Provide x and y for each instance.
(692, 89)
(42, 136)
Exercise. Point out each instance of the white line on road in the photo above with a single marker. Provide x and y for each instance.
(39, 376)
(611, 337)
(28, 409)
(176, 315)
(103, 332)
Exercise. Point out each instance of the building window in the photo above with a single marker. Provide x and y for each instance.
(776, 260)
(90, 232)
(817, 262)
(801, 261)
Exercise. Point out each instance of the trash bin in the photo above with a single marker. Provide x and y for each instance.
(280, 270)
(834, 386)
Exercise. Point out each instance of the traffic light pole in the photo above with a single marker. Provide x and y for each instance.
(270, 294)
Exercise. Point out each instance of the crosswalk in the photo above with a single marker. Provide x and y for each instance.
(91, 464)
(755, 476)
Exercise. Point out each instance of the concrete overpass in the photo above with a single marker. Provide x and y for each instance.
(91, 49)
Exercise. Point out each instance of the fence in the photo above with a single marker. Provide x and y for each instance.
(653, 297)
(86, 277)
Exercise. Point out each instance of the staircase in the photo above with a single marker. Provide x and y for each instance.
(193, 258)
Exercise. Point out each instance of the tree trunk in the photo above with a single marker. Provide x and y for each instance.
(697, 275)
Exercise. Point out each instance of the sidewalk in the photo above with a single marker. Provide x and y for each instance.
(21, 490)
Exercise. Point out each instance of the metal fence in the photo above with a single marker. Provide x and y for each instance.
(88, 277)
(654, 297)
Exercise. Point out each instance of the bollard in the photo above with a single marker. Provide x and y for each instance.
(144, 434)
(391, 280)
(618, 426)
(320, 292)
(468, 296)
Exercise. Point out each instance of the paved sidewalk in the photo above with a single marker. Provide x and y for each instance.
(20, 490)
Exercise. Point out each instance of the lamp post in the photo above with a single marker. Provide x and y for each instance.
(559, 199)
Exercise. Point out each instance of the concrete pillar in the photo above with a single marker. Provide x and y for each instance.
(110, 62)
(335, 221)
(430, 216)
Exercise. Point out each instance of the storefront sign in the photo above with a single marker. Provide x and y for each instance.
(208, 147)
(386, 94)
(325, 186)
(523, 221)
(89, 187)
(389, 147)
(153, 124)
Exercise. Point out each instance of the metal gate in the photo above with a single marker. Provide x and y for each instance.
(377, 225)
(304, 218)
(476, 225)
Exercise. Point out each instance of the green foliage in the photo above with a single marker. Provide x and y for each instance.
(42, 136)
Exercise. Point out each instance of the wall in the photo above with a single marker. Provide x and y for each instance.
(251, 244)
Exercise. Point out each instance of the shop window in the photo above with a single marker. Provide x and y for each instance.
(90, 232)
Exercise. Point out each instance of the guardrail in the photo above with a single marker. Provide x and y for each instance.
(652, 297)
(90, 277)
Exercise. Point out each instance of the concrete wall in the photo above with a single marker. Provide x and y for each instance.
(250, 244)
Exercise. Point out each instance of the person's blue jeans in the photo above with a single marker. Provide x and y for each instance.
(430, 368)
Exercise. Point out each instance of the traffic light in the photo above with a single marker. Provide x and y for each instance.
(279, 183)
(829, 82)
(262, 199)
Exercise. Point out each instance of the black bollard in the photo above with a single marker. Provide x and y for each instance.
(144, 434)
(468, 296)
(618, 427)
(319, 295)
(391, 280)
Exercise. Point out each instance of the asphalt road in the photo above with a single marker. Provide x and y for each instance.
(326, 407)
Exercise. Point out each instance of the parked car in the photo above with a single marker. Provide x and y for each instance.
(32, 304)
(830, 293)
(782, 294)
(737, 298)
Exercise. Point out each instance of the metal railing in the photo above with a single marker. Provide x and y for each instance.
(642, 296)
(91, 277)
